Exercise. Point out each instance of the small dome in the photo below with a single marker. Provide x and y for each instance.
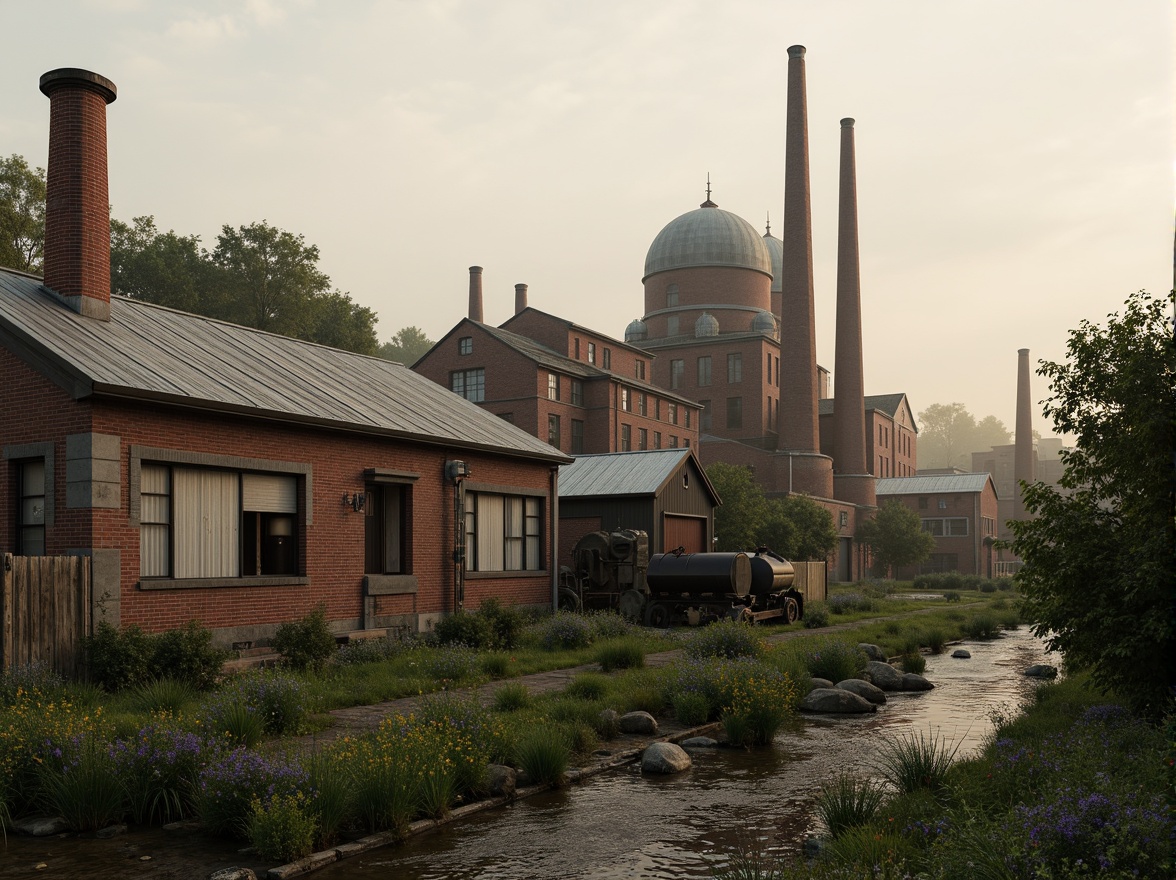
(708, 236)
(706, 325)
(636, 331)
(765, 322)
(776, 250)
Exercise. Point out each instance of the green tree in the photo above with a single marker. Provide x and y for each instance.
(949, 434)
(740, 520)
(895, 537)
(406, 346)
(334, 320)
(22, 215)
(799, 528)
(1098, 553)
(164, 268)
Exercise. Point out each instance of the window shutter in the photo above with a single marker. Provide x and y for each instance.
(269, 493)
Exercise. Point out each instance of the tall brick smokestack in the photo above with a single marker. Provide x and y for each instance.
(77, 197)
(851, 478)
(809, 471)
(1024, 468)
(520, 298)
(476, 294)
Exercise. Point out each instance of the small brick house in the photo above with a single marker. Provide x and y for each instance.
(579, 390)
(891, 434)
(222, 474)
(960, 512)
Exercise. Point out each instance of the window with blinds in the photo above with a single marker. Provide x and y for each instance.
(503, 532)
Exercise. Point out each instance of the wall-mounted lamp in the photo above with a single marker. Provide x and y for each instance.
(357, 502)
(456, 470)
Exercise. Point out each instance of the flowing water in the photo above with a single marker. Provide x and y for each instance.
(620, 824)
(625, 825)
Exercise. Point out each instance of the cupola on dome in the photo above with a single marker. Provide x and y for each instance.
(708, 236)
(636, 331)
(765, 322)
(706, 325)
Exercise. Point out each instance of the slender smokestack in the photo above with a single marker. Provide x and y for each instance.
(849, 407)
(476, 293)
(1023, 460)
(520, 298)
(798, 343)
(77, 197)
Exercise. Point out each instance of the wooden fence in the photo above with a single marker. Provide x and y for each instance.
(44, 611)
(811, 580)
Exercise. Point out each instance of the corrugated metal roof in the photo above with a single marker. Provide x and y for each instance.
(931, 484)
(150, 352)
(641, 472)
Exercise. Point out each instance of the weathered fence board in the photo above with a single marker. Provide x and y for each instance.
(44, 611)
(811, 580)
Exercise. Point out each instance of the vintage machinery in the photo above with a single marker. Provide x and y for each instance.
(614, 570)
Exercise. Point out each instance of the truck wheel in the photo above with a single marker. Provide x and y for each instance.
(632, 604)
(568, 600)
(657, 615)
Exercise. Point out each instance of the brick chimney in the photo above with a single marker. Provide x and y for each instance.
(520, 298)
(851, 478)
(808, 470)
(476, 294)
(1024, 461)
(77, 203)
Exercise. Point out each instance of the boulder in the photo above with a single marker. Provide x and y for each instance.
(912, 681)
(110, 831)
(501, 780)
(863, 689)
(1042, 670)
(664, 757)
(233, 874)
(41, 826)
(699, 742)
(836, 700)
(962, 654)
(820, 683)
(638, 722)
(883, 675)
(872, 652)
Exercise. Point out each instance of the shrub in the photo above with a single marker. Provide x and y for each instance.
(816, 615)
(757, 704)
(543, 753)
(331, 802)
(725, 638)
(987, 587)
(834, 659)
(308, 643)
(1004, 584)
(466, 628)
(512, 697)
(160, 765)
(32, 678)
(563, 630)
(847, 802)
(982, 626)
(460, 732)
(496, 664)
(845, 603)
(935, 639)
(370, 651)
(951, 596)
(916, 761)
(452, 663)
(621, 653)
(282, 829)
(610, 625)
(278, 699)
(691, 708)
(506, 623)
(229, 784)
(913, 662)
(83, 787)
(188, 655)
(588, 686)
(162, 695)
(382, 778)
(231, 717)
(118, 659)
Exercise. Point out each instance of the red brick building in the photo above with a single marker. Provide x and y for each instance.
(581, 391)
(238, 478)
(959, 511)
(891, 434)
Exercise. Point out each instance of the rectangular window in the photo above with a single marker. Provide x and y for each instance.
(577, 392)
(591, 352)
(470, 384)
(30, 511)
(734, 367)
(657, 408)
(577, 348)
(204, 523)
(672, 325)
(607, 355)
(657, 439)
(673, 441)
(640, 370)
(947, 527)
(642, 438)
(671, 296)
(552, 386)
(553, 430)
(577, 437)
(706, 415)
(672, 413)
(734, 412)
(626, 438)
(626, 404)
(922, 502)
(465, 345)
(704, 371)
(687, 414)
(387, 529)
(507, 417)
(677, 373)
(503, 532)
(641, 403)
(943, 504)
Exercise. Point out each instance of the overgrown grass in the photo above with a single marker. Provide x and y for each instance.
(916, 760)
(544, 755)
(624, 652)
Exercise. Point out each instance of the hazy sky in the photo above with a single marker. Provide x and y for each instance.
(1014, 156)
